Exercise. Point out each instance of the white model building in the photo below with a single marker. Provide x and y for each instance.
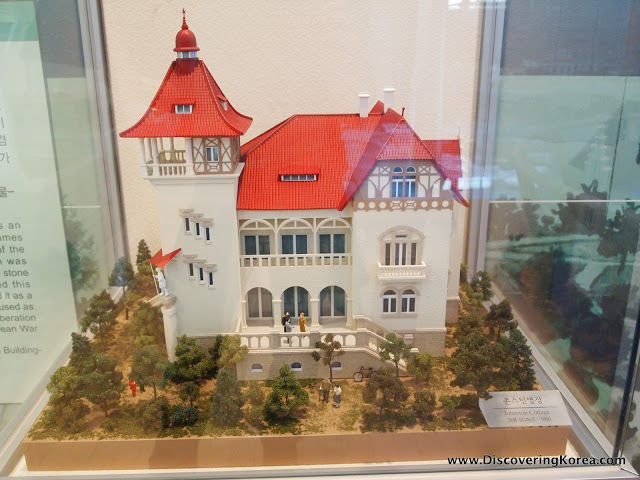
(345, 217)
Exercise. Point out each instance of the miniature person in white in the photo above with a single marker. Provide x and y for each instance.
(337, 395)
(162, 282)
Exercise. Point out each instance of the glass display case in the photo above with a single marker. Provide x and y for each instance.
(360, 237)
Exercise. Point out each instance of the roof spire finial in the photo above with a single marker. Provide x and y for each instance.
(184, 19)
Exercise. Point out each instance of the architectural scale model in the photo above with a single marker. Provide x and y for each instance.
(346, 218)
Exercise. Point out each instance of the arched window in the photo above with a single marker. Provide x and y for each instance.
(256, 368)
(332, 302)
(296, 366)
(259, 303)
(408, 301)
(389, 302)
(402, 246)
(336, 366)
(296, 301)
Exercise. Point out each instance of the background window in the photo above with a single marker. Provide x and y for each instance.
(389, 300)
(212, 154)
(408, 301)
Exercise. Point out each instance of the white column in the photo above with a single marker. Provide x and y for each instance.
(243, 312)
(154, 156)
(277, 313)
(350, 320)
(170, 320)
(314, 315)
(144, 157)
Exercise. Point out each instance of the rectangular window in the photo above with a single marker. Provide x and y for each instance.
(187, 224)
(414, 250)
(201, 274)
(387, 254)
(211, 279)
(253, 303)
(389, 304)
(250, 245)
(254, 244)
(332, 243)
(339, 302)
(294, 244)
(213, 154)
(184, 108)
(396, 187)
(207, 234)
(410, 187)
(197, 229)
(191, 271)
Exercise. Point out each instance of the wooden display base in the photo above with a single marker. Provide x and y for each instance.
(292, 450)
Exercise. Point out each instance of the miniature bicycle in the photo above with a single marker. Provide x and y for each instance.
(364, 373)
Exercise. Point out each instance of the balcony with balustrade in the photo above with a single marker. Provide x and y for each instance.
(402, 272)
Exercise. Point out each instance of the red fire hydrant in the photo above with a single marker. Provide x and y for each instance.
(132, 386)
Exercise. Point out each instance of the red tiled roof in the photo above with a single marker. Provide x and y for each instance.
(341, 149)
(447, 157)
(188, 81)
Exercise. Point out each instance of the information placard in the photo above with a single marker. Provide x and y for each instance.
(525, 409)
(37, 312)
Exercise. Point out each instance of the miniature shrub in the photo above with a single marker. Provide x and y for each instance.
(182, 415)
(109, 425)
(424, 404)
(469, 401)
(254, 416)
(165, 412)
(147, 325)
(254, 395)
(153, 414)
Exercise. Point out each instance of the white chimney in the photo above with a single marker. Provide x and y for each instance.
(364, 104)
(388, 98)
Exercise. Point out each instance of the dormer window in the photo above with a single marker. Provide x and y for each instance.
(184, 108)
(299, 178)
(188, 54)
(224, 104)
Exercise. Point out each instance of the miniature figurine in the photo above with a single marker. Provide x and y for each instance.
(162, 282)
(288, 327)
(132, 386)
(326, 388)
(285, 318)
(337, 395)
(302, 322)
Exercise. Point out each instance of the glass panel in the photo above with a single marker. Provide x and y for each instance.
(325, 243)
(339, 302)
(413, 254)
(303, 302)
(339, 243)
(287, 243)
(387, 254)
(265, 297)
(249, 245)
(325, 302)
(288, 301)
(253, 303)
(264, 245)
(301, 244)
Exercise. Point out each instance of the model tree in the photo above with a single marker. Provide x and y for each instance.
(424, 404)
(481, 282)
(143, 253)
(148, 367)
(329, 350)
(287, 395)
(421, 366)
(473, 363)
(516, 364)
(147, 326)
(191, 363)
(231, 352)
(101, 383)
(500, 317)
(394, 349)
(100, 317)
(122, 276)
(450, 403)
(226, 399)
(620, 235)
(67, 409)
(387, 394)
(190, 392)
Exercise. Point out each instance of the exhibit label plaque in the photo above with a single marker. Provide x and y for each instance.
(525, 409)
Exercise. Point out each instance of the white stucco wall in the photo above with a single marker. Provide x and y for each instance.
(368, 226)
(200, 309)
(275, 59)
